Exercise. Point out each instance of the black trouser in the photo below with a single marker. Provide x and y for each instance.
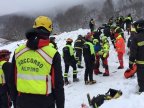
(88, 70)
(92, 28)
(73, 65)
(140, 78)
(79, 55)
(34, 101)
(4, 100)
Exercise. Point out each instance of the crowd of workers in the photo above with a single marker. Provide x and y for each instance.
(35, 79)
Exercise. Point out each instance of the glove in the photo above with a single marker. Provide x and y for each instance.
(100, 52)
(130, 66)
(104, 55)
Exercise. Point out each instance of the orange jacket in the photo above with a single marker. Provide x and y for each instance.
(120, 44)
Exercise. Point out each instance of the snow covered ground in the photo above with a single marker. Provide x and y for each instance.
(75, 93)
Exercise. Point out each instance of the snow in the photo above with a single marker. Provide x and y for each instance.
(75, 93)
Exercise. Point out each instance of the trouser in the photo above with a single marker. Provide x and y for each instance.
(140, 79)
(34, 101)
(97, 64)
(120, 58)
(4, 100)
(128, 27)
(92, 28)
(73, 65)
(79, 55)
(105, 64)
(88, 70)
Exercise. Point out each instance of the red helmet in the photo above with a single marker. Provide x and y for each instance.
(4, 54)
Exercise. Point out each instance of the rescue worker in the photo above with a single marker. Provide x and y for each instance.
(120, 31)
(37, 69)
(128, 21)
(104, 54)
(5, 69)
(120, 49)
(112, 31)
(78, 46)
(92, 24)
(97, 48)
(136, 53)
(110, 21)
(89, 58)
(53, 43)
(132, 34)
(69, 60)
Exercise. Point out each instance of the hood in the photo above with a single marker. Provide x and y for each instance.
(37, 38)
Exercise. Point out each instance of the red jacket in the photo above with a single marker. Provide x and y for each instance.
(120, 44)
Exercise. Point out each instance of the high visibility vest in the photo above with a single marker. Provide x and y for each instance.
(92, 51)
(2, 77)
(33, 69)
(70, 49)
(52, 45)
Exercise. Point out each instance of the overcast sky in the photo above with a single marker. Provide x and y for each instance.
(12, 6)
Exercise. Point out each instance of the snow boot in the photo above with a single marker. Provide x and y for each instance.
(106, 73)
(75, 79)
(66, 82)
(92, 82)
(120, 67)
(79, 66)
(86, 82)
(96, 72)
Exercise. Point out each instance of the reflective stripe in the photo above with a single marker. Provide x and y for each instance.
(140, 43)
(49, 85)
(78, 48)
(31, 77)
(3, 78)
(34, 77)
(21, 52)
(130, 62)
(41, 52)
(47, 57)
(140, 62)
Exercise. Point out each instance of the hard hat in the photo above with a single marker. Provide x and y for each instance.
(139, 25)
(103, 38)
(43, 21)
(4, 54)
(69, 40)
(95, 41)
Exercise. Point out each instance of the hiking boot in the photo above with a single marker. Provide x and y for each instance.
(105, 74)
(66, 82)
(120, 67)
(75, 79)
(79, 66)
(92, 82)
(98, 73)
(86, 82)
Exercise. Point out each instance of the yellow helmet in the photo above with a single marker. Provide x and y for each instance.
(43, 21)
(95, 41)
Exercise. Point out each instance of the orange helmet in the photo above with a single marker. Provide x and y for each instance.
(4, 54)
(69, 40)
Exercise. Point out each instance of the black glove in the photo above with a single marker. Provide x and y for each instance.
(130, 66)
